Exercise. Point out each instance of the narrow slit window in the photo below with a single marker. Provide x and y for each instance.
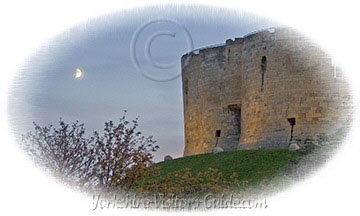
(263, 69)
(263, 63)
(228, 56)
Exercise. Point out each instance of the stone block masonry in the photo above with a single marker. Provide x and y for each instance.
(240, 95)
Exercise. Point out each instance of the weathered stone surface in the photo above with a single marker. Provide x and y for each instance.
(167, 157)
(217, 150)
(248, 88)
(293, 146)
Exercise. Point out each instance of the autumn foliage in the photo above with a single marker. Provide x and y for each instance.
(114, 159)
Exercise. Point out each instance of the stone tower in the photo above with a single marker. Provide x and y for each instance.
(245, 93)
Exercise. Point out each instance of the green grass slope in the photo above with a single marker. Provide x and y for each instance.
(258, 167)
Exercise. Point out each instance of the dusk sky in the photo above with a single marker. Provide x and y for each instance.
(47, 89)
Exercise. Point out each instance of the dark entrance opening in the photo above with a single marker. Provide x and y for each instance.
(217, 135)
(234, 129)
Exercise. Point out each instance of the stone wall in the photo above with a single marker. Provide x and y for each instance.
(241, 95)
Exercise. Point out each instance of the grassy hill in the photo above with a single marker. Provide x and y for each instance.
(263, 169)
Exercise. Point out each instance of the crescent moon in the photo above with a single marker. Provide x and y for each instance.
(78, 73)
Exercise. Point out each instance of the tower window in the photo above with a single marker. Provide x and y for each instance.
(228, 56)
(263, 63)
(263, 69)
(217, 133)
(292, 122)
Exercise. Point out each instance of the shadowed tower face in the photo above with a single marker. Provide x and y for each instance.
(241, 95)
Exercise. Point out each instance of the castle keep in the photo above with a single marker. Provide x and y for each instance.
(247, 93)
